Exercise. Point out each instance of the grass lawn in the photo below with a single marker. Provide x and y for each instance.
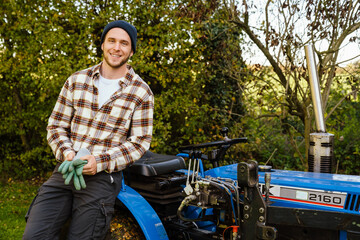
(15, 198)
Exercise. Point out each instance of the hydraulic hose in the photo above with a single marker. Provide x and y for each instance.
(236, 190)
(222, 186)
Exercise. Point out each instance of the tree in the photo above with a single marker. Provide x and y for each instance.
(280, 30)
(42, 44)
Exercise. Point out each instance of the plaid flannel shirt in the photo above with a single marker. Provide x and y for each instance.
(117, 134)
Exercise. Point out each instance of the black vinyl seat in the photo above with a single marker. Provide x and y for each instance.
(153, 164)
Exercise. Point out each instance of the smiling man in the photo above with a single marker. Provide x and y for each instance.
(107, 110)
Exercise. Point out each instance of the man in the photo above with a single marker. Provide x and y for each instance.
(108, 110)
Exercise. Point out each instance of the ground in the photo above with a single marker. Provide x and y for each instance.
(124, 226)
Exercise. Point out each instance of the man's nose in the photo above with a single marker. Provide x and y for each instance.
(117, 46)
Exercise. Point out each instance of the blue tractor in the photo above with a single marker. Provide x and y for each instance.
(237, 201)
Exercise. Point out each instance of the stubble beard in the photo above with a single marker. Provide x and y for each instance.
(119, 65)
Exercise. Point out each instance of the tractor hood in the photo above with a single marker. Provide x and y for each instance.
(305, 189)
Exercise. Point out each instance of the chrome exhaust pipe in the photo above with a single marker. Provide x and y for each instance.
(320, 156)
(315, 88)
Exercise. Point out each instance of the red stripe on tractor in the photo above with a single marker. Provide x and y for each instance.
(302, 201)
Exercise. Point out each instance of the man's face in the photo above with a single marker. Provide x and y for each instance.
(117, 47)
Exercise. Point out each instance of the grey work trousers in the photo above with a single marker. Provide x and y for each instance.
(90, 209)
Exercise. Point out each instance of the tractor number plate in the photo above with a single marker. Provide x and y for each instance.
(305, 195)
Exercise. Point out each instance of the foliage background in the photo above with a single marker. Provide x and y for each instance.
(190, 54)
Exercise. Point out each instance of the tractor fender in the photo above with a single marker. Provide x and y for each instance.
(144, 214)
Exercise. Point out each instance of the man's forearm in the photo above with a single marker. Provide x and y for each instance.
(59, 142)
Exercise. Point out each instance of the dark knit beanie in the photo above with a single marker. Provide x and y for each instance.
(130, 29)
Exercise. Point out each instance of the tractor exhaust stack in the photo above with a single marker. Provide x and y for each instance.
(320, 156)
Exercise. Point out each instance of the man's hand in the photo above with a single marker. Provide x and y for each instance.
(90, 168)
(70, 156)
(65, 165)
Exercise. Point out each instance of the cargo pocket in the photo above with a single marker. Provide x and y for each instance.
(103, 219)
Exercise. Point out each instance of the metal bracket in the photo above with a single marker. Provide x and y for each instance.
(255, 208)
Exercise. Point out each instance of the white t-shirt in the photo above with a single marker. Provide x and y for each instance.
(106, 88)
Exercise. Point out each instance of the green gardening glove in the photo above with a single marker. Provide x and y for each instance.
(73, 170)
(79, 162)
(64, 167)
(76, 175)
(69, 176)
(79, 181)
(82, 181)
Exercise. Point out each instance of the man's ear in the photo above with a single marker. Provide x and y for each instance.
(102, 46)
(132, 53)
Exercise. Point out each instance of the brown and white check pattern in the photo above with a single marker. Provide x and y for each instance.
(117, 134)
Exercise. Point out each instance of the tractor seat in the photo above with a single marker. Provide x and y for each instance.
(153, 164)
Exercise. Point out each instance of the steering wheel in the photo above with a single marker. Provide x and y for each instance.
(226, 143)
(214, 144)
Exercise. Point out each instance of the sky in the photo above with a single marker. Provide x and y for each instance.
(349, 50)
